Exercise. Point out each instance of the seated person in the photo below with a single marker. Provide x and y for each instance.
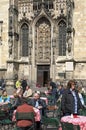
(39, 103)
(16, 101)
(24, 108)
(19, 91)
(28, 92)
(4, 99)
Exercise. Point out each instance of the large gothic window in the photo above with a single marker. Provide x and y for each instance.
(24, 39)
(62, 38)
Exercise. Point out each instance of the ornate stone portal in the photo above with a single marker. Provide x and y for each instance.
(45, 40)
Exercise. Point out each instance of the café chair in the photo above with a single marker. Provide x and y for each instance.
(8, 124)
(51, 110)
(82, 112)
(43, 94)
(5, 122)
(69, 126)
(51, 106)
(25, 116)
(51, 100)
(84, 97)
(50, 122)
(58, 113)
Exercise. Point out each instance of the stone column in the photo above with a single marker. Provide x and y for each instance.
(12, 42)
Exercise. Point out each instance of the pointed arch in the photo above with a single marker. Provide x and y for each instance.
(24, 39)
(62, 38)
(43, 40)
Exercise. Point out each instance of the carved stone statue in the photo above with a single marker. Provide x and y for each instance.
(10, 46)
(69, 43)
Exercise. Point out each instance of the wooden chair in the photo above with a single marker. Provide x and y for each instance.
(51, 110)
(26, 116)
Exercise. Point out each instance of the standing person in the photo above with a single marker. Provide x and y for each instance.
(54, 90)
(18, 83)
(2, 83)
(24, 84)
(70, 103)
(80, 95)
(53, 84)
(60, 90)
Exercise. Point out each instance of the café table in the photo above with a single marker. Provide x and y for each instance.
(79, 120)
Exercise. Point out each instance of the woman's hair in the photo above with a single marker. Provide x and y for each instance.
(70, 82)
(24, 100)
(79, 89)
(4, 91)
(15, 95)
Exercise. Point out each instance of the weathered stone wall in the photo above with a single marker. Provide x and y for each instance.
(79, 41)
(4, 5)
(79, 24)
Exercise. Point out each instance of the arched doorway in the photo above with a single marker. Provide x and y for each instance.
(43, 50)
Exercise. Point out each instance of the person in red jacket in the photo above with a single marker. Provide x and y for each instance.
(24, 108)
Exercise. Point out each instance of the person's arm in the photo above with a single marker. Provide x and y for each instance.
(25, 94)
(63, 102)
(42, 104)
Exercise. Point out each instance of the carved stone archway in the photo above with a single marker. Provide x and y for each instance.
(43, 41)
(43, 49)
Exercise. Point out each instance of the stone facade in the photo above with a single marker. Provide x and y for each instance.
(42, 21)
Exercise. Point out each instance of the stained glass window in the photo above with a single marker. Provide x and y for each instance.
(62, 38)
(24, 39)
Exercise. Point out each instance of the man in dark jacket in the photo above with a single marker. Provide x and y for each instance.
(39, 104)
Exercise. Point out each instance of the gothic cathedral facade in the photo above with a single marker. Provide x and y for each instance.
(43, 39)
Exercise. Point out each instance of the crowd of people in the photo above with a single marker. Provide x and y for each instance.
(25, 100)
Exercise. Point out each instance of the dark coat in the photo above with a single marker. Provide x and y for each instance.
(67, 102)
(41, 103)
(24, 84)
